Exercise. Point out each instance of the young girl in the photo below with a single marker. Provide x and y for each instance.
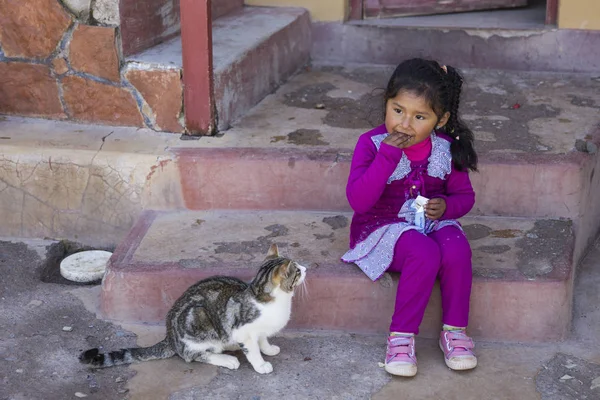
(423, 149)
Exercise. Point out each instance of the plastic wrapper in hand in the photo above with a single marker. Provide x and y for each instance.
(419, 207)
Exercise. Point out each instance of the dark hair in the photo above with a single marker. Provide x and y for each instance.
(441, 87)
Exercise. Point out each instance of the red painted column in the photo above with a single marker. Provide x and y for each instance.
(551, 12)
(196, 42)
(355, 11)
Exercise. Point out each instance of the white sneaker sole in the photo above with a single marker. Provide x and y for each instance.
(399, 369)
(460, 363)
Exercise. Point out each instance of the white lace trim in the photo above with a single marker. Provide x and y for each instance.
(374, 254)
(440, 160)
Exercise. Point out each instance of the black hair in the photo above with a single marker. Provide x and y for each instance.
(441, 86)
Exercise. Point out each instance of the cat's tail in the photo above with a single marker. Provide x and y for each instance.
(127, 356)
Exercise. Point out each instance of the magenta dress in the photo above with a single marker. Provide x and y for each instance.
(382, 186)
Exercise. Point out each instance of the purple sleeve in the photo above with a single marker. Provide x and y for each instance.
(369, 172)
(460, 196)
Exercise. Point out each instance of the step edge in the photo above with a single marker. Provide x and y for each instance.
(300, 14)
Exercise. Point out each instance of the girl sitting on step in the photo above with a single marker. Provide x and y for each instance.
(409, 182)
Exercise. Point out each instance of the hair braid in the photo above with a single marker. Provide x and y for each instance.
(454, 88)
(462, 147)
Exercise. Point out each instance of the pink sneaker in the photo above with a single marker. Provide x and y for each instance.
(457, 348)
(400, 358)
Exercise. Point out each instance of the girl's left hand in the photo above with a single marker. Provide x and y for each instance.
(435, 208)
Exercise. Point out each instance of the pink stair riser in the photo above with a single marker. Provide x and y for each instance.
(534, 185)
(507, 303)
(500, 310)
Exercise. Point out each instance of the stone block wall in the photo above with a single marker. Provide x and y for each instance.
(59, 61)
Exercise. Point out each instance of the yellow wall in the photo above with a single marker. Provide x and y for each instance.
(320, 10)
(579, 14)
(572, 14)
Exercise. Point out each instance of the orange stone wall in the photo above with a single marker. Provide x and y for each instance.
(53, 65)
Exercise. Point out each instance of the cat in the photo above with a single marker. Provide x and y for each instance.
(222, 314)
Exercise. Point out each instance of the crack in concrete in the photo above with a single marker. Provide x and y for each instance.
(24, 176)
(23, 184)
(87, 184)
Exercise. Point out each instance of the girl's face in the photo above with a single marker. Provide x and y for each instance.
(412, 115)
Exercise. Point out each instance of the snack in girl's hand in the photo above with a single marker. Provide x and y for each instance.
(419, 206)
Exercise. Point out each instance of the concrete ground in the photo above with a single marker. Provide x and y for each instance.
(45, 322)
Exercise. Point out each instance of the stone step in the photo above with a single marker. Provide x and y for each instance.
(148, 23)
(501, 39)
(255, 49)
(522, 270)
(292, 152)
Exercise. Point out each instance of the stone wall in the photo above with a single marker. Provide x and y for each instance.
(65, 62)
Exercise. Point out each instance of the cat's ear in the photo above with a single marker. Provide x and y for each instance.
(273, 252)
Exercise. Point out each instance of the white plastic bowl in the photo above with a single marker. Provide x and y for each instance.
(85, 266)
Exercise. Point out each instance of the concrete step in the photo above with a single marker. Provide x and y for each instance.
(522, 270)
(292, 152)
(501, 39)
(255, 49)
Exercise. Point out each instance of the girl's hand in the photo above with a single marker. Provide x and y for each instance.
(399, 140)
(435, 208)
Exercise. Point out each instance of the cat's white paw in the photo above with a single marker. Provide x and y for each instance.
(270, 350)
(265, 368)
(224, 360)
(232, 363)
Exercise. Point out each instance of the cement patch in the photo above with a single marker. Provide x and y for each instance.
(542, 246)
(308, 367)
(566, 377)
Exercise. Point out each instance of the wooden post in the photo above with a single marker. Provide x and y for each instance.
(355, 10)
(196, 43)
(551, 12)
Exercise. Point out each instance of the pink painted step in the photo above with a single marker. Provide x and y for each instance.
(522, 270)
(514, 185)
(522, 185)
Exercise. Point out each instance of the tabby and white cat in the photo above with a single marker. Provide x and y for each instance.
(219, 314)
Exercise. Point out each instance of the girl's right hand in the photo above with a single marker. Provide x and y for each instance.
(399, 140)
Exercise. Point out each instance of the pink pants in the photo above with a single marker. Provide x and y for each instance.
(420, 259)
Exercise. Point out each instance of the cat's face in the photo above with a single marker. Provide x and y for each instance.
(289, 275)
(280, 272)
